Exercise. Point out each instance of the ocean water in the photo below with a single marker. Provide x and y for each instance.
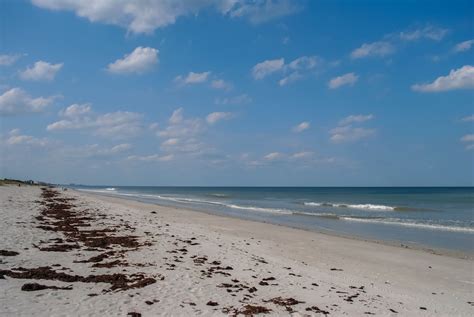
(432, 217)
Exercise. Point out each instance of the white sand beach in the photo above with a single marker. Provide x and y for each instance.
(189, 263)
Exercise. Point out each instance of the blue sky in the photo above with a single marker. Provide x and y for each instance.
(237, 92)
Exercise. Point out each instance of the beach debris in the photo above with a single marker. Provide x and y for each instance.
(335, 269)
(60, 215)
(118, 281)
(285, 302)
(211, 303)
(246, 310)
(8, 253)
(316, 309)
(134, 314)
(29, 287)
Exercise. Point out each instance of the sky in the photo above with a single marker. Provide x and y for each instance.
(237, 92)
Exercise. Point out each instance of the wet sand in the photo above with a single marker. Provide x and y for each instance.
(71, 253)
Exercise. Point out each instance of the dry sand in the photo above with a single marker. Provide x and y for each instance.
(166, 261)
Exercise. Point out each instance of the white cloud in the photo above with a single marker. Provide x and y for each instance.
(301, 127)
(346, 79)
(295, 76)
(76, 110)
(265, 68)
(461, 78)
(218, 116)
(468, 138)
(428, 32)
(95, 151)
(380, 48)
(17, 101)
(151, 158)
(170, 142)
(41, 71)
(304, 62)
(350, 134)
(119, 124)
(141, 60)
(177, 116)
(356, 119)
(261, 11)
(221, 84)
(273, 156)
(16, 138)
(146, 16)
(468, 118)
(295, 70)
(302, 155)
(345, 132)
(182, 134)
(8, 60)
(192, 78)
(237, 100)
(464, 46)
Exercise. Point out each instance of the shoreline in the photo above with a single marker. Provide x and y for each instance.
(406, 245)
(69, 252)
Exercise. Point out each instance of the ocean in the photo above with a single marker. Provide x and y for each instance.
(431, 217)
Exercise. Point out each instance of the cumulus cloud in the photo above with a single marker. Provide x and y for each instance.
(192, 78)
(76, 110)
(177, 116)
(141, 60)
(221, 84)
(463, 46)
(146, 16)
(428, 32)
(356, 119)
(8, 60)
(265, 68)
(151, 158)
(119, 124)
(349, 134)
(218, 116)
(182, 135)
(461, 78)
(293, 71)
(304, 62)
(96, 151)
(41, 71)
(261, 11)
(304, 158)
(170, 142)
(301, 155)
(273, 156)
(346, 132)
(236, 100)
(469, 139)
(295, 76)
(301, 127)
(380, 49)
(347, 79)
(16, 101)
(16, 138)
